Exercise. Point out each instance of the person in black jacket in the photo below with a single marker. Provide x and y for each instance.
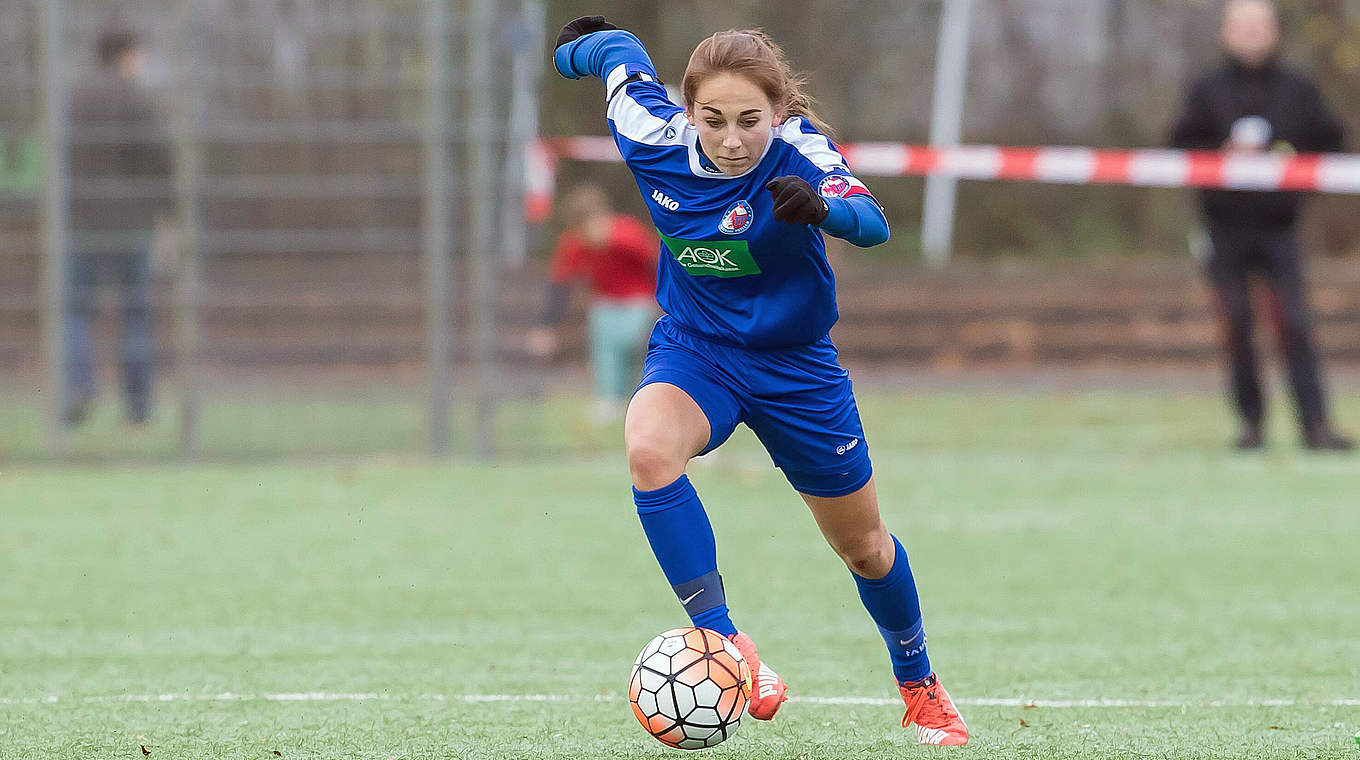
(1256, 104)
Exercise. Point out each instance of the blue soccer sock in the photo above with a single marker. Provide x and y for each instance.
(682, 540)
(895, 608)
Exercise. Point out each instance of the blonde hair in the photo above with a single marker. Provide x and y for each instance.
(752, 54)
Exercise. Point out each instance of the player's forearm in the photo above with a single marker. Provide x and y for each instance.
(857, 220)
(601, 52)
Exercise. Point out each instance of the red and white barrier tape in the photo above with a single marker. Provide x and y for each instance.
(1328, 173)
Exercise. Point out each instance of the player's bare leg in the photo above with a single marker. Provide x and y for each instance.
(664, 429)
(854, 528)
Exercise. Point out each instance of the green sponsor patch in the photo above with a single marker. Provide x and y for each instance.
(713, 258)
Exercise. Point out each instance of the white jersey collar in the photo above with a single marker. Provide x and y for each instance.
(696, 159)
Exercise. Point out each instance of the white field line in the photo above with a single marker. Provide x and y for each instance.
(321, 696)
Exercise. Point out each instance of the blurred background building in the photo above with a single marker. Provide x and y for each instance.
(354, 271)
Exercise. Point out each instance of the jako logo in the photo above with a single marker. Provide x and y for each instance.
(736, 219)
(665, 201)
(842, 449)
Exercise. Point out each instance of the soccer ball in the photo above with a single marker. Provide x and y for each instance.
(689, 688)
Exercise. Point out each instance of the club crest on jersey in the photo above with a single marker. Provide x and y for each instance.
(736, 219)
(834, 187)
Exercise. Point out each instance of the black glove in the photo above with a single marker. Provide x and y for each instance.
(795, 202)
(582, 26)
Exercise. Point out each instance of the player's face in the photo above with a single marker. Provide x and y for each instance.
(734, 118)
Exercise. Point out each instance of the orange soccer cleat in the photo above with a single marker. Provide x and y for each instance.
(931, 709)
(767, 688)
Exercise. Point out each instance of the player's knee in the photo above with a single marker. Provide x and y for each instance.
(653, 463)
(868, 563)
(868, 555)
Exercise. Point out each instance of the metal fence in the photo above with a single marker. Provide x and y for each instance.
(345, 176)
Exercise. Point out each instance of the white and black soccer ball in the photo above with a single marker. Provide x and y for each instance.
(689, 688)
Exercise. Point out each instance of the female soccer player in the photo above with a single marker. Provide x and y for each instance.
(741, 183)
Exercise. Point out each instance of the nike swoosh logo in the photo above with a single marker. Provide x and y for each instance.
(691, 597)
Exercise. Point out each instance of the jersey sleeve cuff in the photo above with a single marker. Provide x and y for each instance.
(857, 219)
(562, 60)
(599, 52)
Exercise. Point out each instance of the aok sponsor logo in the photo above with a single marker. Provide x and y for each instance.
(713, 258)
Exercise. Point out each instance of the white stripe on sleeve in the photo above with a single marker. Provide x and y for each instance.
(813, 145)
(636, 122)
(620, 73)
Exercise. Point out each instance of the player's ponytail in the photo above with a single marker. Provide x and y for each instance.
(751, 53)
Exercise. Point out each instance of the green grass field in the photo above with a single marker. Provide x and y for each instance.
(1099, 555)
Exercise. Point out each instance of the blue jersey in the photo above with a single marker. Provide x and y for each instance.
(729, 272)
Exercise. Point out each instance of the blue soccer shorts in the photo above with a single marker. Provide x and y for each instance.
(799, 402)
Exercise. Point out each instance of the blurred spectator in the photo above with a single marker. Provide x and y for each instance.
(1254, 104)
(120, 179)
(617, 255)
